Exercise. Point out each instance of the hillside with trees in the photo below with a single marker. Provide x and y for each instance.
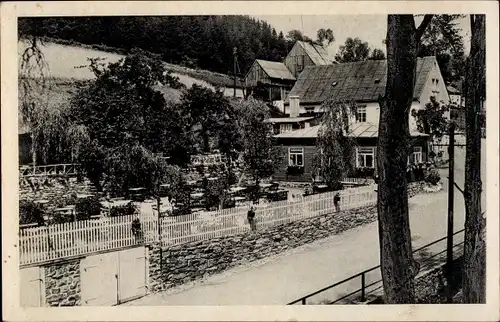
(204, 42)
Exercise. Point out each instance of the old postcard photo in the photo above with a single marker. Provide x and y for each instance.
(250, 160)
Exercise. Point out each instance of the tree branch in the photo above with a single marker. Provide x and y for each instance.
(423, 26)
(459, 189)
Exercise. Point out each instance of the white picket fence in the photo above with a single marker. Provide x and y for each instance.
(41, 244)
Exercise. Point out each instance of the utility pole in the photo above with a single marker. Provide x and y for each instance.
(234, 69)
(451, 190)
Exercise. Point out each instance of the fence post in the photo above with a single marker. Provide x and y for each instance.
(363, 297)
(303, 301)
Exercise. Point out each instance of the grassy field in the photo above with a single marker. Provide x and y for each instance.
(65, 60)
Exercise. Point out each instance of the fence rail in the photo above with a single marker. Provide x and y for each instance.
(39, 244)
(49, 170)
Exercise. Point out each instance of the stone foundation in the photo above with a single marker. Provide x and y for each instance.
(62, 284)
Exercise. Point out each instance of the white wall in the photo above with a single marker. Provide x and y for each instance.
(430, 89)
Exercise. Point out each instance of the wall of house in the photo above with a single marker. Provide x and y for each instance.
(372, 112)
(439, 91)
(292, 59)
(309, 152)
(256, 74)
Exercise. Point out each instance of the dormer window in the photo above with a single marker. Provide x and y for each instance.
(361, 114)
(377, 80)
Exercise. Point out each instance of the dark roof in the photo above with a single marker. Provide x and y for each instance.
(318, 53)
(359, 81)
(275, 69)
(358, 130)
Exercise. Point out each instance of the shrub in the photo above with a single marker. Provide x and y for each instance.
(124, 210)
(31, 213)
(433, 177)
(364, 173)
(294, 170)
(61, 201)
(87, 208)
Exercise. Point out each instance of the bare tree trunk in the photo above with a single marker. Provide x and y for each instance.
(33, 149)
(396, 259)
(474, 272)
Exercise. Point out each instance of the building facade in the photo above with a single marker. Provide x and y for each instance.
(359, 84)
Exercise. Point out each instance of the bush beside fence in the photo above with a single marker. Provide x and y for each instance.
(40, 244)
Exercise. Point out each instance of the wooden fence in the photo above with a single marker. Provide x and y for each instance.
(49, 170)
(39, 244)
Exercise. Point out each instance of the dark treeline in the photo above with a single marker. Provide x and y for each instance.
(205, 42)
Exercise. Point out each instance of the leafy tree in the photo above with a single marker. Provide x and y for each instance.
(260, 154)
(325, 36)
(396, 258)
(229, 142)
(474, 271)
(205, 110)
(122, 124)
(432, 120)
(334, 158)
(443, 39)
(34, 86)
(296, 35)
(353, 50)
(377, 54)
(31, 213)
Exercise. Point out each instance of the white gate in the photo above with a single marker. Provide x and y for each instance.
(32, 289)
(112, 278)
(133, 273)
(99, 278)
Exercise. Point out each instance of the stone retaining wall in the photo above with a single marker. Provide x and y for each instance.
(180, 264)
(62, 284)
(431, 287)
(192, 261)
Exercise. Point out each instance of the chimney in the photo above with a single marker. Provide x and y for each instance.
(307, 125)
(294, 106)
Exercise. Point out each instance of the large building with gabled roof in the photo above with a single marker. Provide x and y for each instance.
(359, 82)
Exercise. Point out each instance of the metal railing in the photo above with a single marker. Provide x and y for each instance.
(363, 274)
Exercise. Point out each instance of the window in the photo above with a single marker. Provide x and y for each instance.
(300, 63)
(365, 157)
(285, 127)
(416, 155)
(296, 157)
(361, 114)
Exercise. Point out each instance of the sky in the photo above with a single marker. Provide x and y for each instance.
(369, 28)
